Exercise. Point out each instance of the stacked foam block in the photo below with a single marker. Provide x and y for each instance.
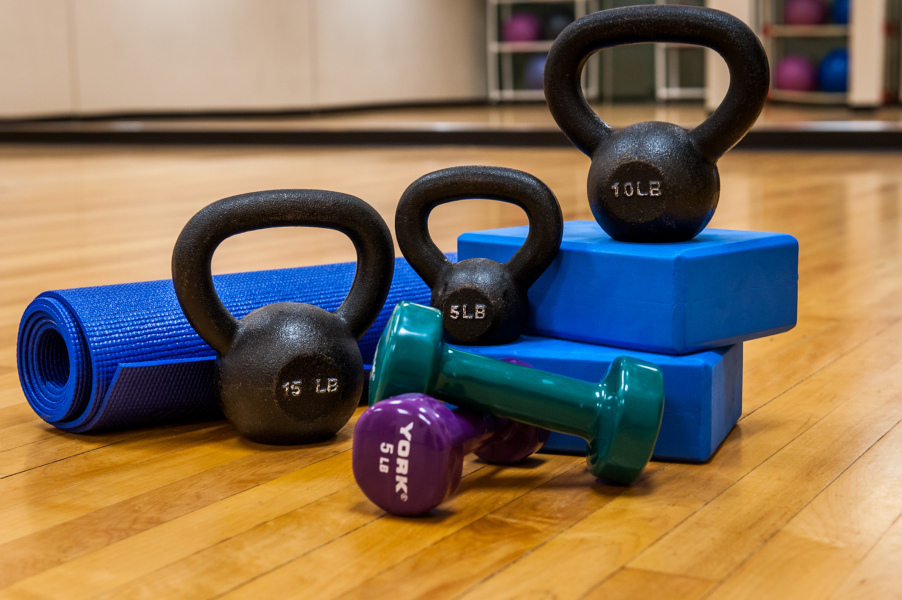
(687, 307)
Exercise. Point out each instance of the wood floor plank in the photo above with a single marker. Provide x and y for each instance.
(137, 555)
(496, 540)
(259, 550)
(144, 445)
(10, 392)
(59, 446)
(600, 544)
(769, 375)
(25, 433)
(613, 536)
(17, 414)
(100, 528)
(761, 503)
(877, 576)
(366, 552)
(819, 548)
(636, 583)
(104, 490)
(760, 349)
(236, 560)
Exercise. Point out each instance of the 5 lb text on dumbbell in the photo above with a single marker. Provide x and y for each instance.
(402, 462)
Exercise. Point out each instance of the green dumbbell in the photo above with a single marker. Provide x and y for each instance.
(620, 417)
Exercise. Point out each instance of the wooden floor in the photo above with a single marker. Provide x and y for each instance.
(803, 499)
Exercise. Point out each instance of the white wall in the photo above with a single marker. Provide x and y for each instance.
(171, 55)
(34, 58)
(108, 56)
(389, 51)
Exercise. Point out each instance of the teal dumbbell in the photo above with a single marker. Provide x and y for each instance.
(620, 417)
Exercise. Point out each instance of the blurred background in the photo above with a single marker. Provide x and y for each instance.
(293, 64)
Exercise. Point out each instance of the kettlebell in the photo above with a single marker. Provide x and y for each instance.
(287, 373)
(482, 301)
(654, 181)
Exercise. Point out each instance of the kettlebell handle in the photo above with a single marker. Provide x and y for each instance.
(193, 253)
(720, 31)
(546, 223)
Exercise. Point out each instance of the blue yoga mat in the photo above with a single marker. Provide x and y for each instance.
(124, 355)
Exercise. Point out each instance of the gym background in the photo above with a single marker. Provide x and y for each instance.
(121, 119)
(90, 58)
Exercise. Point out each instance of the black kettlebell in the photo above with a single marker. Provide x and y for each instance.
(482, 302)
(288, 373)
(654, 181)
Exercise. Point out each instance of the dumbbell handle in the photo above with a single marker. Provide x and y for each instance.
(474, 430)
(518, 393)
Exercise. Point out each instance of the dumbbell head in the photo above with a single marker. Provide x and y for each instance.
(407, 352)
(628, 421)
(408, 454)
(408, 450)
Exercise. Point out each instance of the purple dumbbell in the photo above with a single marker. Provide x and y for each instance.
(409, 450)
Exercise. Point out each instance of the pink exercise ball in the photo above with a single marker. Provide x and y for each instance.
(795, 73)
(805, 12)
(522, 27)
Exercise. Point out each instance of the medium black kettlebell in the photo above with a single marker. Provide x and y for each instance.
(654, 181)
(288, 373)
(482, 302)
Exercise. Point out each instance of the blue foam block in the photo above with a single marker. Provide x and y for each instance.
(719, 289)
(702, 391)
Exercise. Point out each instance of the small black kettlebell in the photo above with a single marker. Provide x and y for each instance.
(288, 373)
(482, 302)
(654, 181)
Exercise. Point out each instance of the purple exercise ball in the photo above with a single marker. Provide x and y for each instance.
(805, 12)
(795, 73)
(522, 27)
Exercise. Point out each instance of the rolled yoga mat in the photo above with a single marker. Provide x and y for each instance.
(124, 355)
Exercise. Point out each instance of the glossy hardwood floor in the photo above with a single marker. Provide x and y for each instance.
(803, 499)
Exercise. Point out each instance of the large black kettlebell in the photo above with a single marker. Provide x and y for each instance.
(288, 373)
(482, 302)
(654, 181)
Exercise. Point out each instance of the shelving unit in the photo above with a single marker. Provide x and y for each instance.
(872, 38)
(668, 80)
(776, 36)
(504, 81)
(893, 66)
(786, 31)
